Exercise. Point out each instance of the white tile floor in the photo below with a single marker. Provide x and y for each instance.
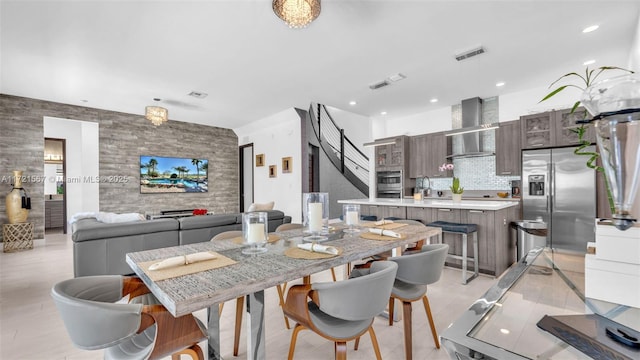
(30, 327)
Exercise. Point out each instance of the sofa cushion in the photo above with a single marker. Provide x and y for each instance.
(206, 221)
(89, 229)
(261, 207)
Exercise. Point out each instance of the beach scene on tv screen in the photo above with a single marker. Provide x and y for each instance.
(173, 175)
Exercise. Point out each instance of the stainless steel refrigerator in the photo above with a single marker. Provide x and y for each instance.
(561, 189)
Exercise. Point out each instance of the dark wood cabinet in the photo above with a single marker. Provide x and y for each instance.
(53, 214)
(508, 148)
(566, 128)
(393, 156)
(553, 128)
(537, 130)
(428, 152)
(418, 160)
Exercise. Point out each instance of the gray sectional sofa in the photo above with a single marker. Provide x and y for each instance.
(100, 248)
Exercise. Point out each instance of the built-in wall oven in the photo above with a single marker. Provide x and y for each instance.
(389, 184)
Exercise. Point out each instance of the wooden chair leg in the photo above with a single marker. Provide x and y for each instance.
(333, 274)
(427, 309)
(294, 338)
(341, 350)
(408, 344)
(220, 306)
(374, 341)
(357, 343)
(281, 291)
(236, 335)
(392, 302)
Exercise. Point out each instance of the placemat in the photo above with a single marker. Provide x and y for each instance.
(176, 271)
(298, 253)
(372, 236)
(390, 226)
(272, 238)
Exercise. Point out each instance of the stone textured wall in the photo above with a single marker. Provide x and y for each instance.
(123, 138)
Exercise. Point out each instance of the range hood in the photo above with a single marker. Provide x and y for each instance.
(469, 134)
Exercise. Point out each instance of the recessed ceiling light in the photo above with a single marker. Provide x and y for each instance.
(501, 83)
(198, 94)
(352, 102)
(383, 113)
(588, 62)
(505, 331)
(84, 100)
(434, 100)
(590, 29)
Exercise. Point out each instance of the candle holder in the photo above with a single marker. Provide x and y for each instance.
(351, 216)
(315, 207)
(255, 232)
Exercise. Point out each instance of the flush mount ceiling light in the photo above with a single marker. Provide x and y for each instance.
(297, 13)
(590, 29)
(156, 114)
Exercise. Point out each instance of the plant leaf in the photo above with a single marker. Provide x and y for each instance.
(575, 106)
(566, 75)
(553, 93)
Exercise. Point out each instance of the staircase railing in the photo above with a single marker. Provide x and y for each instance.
(346, 157)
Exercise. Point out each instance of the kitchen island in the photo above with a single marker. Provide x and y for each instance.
(496, 243)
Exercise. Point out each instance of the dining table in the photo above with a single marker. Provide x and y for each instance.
(250, 275)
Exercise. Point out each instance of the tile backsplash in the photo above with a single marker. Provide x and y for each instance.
(475, 173)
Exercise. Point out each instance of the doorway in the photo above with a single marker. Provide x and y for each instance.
(246, 176)
(55, 194)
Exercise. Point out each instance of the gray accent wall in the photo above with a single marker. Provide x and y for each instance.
(123, 138)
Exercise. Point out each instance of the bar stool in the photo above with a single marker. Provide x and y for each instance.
(464, 230)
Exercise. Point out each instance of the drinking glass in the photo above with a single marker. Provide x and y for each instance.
(255, 232)
(351, 216)
(315, 207)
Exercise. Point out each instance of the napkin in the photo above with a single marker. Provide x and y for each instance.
(385, 232)
(182, 260)
(383, 221)
(319, 248)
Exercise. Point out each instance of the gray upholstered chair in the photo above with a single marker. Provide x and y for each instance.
(415, 272)
(239, 301)
(344, 310)
(94, 320)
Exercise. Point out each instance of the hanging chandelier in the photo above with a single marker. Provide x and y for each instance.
(297, 13)
(156, 114)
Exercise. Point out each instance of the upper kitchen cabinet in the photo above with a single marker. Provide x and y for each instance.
(428, 152)
(552, 128)
(566, 128)
(508, 148)
(393, 156)
(537, 130)
(418, 160)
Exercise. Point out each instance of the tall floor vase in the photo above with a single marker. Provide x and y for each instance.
(18, 202)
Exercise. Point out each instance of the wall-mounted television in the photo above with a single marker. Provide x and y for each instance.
(159, 174)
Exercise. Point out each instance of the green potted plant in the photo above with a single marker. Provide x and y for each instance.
(456, 189)
(584, 81)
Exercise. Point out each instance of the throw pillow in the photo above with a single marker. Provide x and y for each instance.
(261, 207)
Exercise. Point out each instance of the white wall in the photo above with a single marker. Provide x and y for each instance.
(634, 54)
(422, 123)
(82, 161)
(277, 136)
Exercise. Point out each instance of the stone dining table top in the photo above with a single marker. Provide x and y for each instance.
(252, 273)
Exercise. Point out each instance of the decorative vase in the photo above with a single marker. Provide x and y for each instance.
(18, 202)
(456, 197)
(615, 103)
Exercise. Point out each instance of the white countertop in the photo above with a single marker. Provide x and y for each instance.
(436, 203)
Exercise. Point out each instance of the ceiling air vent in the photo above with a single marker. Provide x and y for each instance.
(470, 53)
(378, 85)
(199, 95)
